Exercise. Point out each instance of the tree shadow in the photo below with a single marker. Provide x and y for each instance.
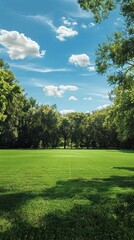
(126, 151)
(3, 190)
(83, 189)
(104, 216)
(125, 168)
(12, 201)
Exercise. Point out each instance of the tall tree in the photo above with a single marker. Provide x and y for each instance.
(11, 103)
(76, 128)
(116, 59)
(65, 128)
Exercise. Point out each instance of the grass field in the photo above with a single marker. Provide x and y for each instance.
(66, 195)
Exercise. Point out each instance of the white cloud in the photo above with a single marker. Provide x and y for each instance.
(34, 68)
(87, 99)
(58, 91)
(88, 74)
(81, 60)
(19, 46)
(68, 87)
(69, 22)
(64, 32)
(64, 111)
(100, 95)
(83, 25)
(102, 106)
(52, 90)
(72, 98)
(91, 24)
(44, 20)
(91, 69)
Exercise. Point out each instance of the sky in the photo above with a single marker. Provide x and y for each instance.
(50, 46)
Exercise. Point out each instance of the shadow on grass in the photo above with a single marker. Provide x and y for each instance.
(2, 190)
(125, 168)
(105, 216)
(12, 201)
(126, 151)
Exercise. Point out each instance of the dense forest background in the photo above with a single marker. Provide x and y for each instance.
(26, 124)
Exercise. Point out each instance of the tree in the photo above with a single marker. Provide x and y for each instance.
(116, 59)
(122, 114)
(100, 9)
(65, 129)
(23, 126)
(87, 131)
(42, 124)
(76, 128)
(11, 103)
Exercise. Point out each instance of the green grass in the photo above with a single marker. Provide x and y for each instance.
(66, 195)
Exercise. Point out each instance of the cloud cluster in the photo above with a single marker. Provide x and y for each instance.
(62, 32)
(69, 22)
(90, 25)
(18, 45)
(58, 91)
(82, 60)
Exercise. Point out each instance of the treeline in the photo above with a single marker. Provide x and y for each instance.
(25, 124)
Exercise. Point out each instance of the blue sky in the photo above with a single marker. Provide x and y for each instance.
(50, 45)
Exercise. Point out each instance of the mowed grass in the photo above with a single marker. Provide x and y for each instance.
(66, 195)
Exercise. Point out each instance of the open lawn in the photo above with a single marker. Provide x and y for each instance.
(66, 194)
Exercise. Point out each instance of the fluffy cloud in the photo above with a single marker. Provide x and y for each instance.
(87, 99)
(18, 45)
(58, 91)
(64, 32)
(52, 90)
(64, 112)
(72, 98)
(81, 60)
(91, 69)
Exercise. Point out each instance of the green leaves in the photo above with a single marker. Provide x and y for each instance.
(99, 8)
